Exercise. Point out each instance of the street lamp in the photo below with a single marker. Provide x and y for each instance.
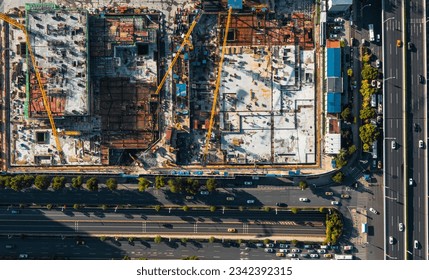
(386, 79)
(367, 5)
(388, 19)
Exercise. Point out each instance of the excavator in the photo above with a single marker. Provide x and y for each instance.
(17, 24)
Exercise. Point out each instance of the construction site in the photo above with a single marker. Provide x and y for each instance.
(214, 83)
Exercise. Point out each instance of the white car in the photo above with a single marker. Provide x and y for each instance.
(248, 183)
(335, 202)
(339, 20)
(401, 227)
(204, 193)
(410, 181)
(314, 256)
(373, 83)
(296, 250)
(421, 144)
(416, 244)
(303, 199)
(269, 250)
(373, 210)
(321, 251)
(390, 240)
(393, 144)
(250, 201)
(333, 36)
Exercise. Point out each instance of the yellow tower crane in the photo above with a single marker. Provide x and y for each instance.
(216, 91)
(176, 56)
(15, 23)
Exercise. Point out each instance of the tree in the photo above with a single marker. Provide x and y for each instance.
(184, 240)
(186, 208)
(267, 209)
(352, 149)
(367, 113)
(49, 206)
(366, 58)
(92, 184)
(77, 182)
(157, 208)
(76, 206)
(266, 241)
(5, 181)
(368, 133)
(126, 258)
(322, 209)
(190, 258)
(346, 114)
(338, 177)
(294, 242)
(366, 147)
(159, 182)
(157, 239)
(334, 228)
(241, 208)
(350, 72)
(211, 185)
(369, 72)
(303, 185)
(20, 182)
(104, 207)
(131, 240)
(294, 210)
(144, 184)
(58, 183)
(112, 184)
(212, 208)
(174, 186)
(192, 186)
(211, 239)
(102, 238)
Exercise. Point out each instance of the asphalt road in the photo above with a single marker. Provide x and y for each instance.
(417, 111)
(393, 129)
(166, 222)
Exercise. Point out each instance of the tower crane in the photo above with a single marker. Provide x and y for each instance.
(17, 24)
(216, 91)
(176, 56)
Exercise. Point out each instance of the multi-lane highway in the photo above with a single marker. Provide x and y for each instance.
(394, 142)
(171, 222)
(416, 125)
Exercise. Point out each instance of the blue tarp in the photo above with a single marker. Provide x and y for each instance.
(235, 4)
(181, 89)
(334, 62)
(334, 102)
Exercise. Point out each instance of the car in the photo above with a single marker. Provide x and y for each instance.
(9, 246)
(373, 83)
(269, 245)
(339, 20)
(269, 250)
(333, 36)
(303, 199)
(255, 177)
(282, 245)
(329, 193)
(416, 244)
(204, 192)
(296, 250)
(327, 256)
(421, 144)
(284, 250)
(410, 181)
(232, 230)
(321, 251)
(304, 255)
(373, 210)
(15, 211)
(398, 43)
(310, 251)
(189, 197)
(230, 198)
(308, 246)
(346, 196)
(379, 84)
(380, 164)
(250, 201)
(281, 204)
(280, 254)
(248, 183)
(354, 84)
(338, 27)
(80, 242)
(259, 245)
(393, 144)
(410, 46)
(378, 38)
(23, 256)
(292, 255)
(378, 63)
(314, 256)
(334, 202)
(421, 79)
(391, 240)
(401, 227)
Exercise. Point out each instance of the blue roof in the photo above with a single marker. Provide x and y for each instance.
(334, 62)
(235, 4)
(334, 102)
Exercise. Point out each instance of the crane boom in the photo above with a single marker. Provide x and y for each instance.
(184, 42)
(39, 81)
(216, 91)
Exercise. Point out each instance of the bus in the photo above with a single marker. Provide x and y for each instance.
(371, 32)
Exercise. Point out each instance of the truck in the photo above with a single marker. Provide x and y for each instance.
(371, 32)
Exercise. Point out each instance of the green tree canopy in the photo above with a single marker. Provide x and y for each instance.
(159, 182)
(367, 113)
(369, 72)
(368, 133)
(338, 177)
(92, 184)
(211, 185)
(77, 182)
(144, 184)
(112, 184)
(58, 182)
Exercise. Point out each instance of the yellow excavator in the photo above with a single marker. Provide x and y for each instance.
(15, 23)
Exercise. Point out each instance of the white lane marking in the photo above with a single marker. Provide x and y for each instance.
(392, 220)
